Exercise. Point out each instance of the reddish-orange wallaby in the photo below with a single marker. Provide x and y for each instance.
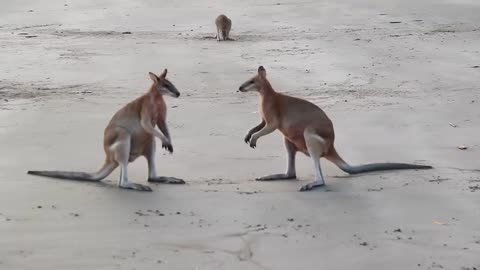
(306, 128)
(131, 133)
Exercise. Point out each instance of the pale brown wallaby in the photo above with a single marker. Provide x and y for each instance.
(224, 25)
(131, 133)
(306, 128)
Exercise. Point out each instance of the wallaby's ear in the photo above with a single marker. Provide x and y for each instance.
(262, 72)
(153, 77)
(164, 74)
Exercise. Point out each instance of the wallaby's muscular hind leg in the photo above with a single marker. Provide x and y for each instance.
(152, 172)
(121, 153)
(316, 147)
(290, 172)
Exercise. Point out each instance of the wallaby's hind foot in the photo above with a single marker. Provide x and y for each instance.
(166, 180)
(275, 177)
(135, 186)
(312, 185)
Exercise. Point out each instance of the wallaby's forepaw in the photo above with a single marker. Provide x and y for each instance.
(247, 138)
(311, 186)
(167, 146)
(253, 143)
(136, 186)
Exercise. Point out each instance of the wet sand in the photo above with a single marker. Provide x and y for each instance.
(398, 79)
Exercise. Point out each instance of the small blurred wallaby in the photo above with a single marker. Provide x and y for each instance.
(224, 25)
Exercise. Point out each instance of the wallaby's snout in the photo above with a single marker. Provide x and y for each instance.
(255, 83)
(173, 92)
(245, 86)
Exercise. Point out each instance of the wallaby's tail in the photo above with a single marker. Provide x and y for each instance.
(372, 167)
(102, 173)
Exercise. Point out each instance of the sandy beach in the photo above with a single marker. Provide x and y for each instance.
(399, 79)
